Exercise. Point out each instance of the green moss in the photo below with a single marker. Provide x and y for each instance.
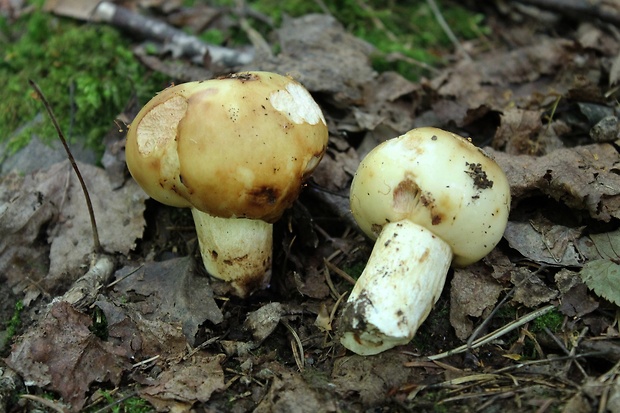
(130, 405)
(355, 270)
(12, 326)
(408, 28)
(87, 72)
(553, 320)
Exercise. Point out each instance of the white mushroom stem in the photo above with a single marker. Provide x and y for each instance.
(402, 281)
(236, 250)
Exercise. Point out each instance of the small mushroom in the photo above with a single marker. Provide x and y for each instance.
(430, 199)
(235, 150)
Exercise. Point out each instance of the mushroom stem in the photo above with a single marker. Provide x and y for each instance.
(236, 250)
(402, 281)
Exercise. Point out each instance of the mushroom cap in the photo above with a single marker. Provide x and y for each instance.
(438, 180)
(235, 146)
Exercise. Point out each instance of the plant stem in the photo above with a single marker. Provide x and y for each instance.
(89, 204)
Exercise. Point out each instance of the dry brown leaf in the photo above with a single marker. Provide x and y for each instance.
(53, 200)
(494, 79)
(319, 53)
(185, 383)
(544, 242)
(530, 289)
(62, 354)
(576, 302)
(521, 132)
(370, 379)
(170, 291)
(290, 393)
(264, 321)
(583, 178)
(472, 291)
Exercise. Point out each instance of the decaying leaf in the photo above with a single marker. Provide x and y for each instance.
(576, 302)
(313, 47)
(584, 178)
(264, 321)
(369, 379)
(185, 383)
(63, 355)
(498, 80)
(544, 242)
(52, 201)
(601, 272)
(472, 291)
(530, 289)
(604, 245)
(170, 291)
(289, 392)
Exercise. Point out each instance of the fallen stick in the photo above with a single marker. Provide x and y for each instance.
(187, 45)
(607, 11)
(176, 41)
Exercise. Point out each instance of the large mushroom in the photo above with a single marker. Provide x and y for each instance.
(430, 199)
(235, 150)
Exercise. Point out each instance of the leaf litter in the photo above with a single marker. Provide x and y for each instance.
(161, 325)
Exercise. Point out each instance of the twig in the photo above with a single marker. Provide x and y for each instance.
(47, 403)
(89, 204)
(298, 349)
(496, 334)
(502, 302)
(84, 291)
(340, 272)
(580, 9)
(186, 44)
(117, 402)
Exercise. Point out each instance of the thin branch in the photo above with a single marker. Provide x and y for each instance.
(186, 44)
(496, 334)
(581, 9)
(89, 204)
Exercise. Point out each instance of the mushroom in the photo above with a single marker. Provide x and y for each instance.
(430, 199)
(235, 150)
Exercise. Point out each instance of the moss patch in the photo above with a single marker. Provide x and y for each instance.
(406, 34)
(86, 71)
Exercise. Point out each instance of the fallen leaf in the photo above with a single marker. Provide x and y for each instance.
(314, 49)
(541, 241)
(264, 321)
(604, 245)
(53, 201)
(290, 393)
(183, 384)
(530, 289)
(583, 178)
(61, 354)
(369, 379)
(576, 302)
(170, 291)
(502, 79)
(472, 291)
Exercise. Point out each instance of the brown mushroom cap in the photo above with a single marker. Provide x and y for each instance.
(236, 146)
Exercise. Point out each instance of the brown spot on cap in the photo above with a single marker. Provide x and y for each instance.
(264, 195)
(406, 196)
